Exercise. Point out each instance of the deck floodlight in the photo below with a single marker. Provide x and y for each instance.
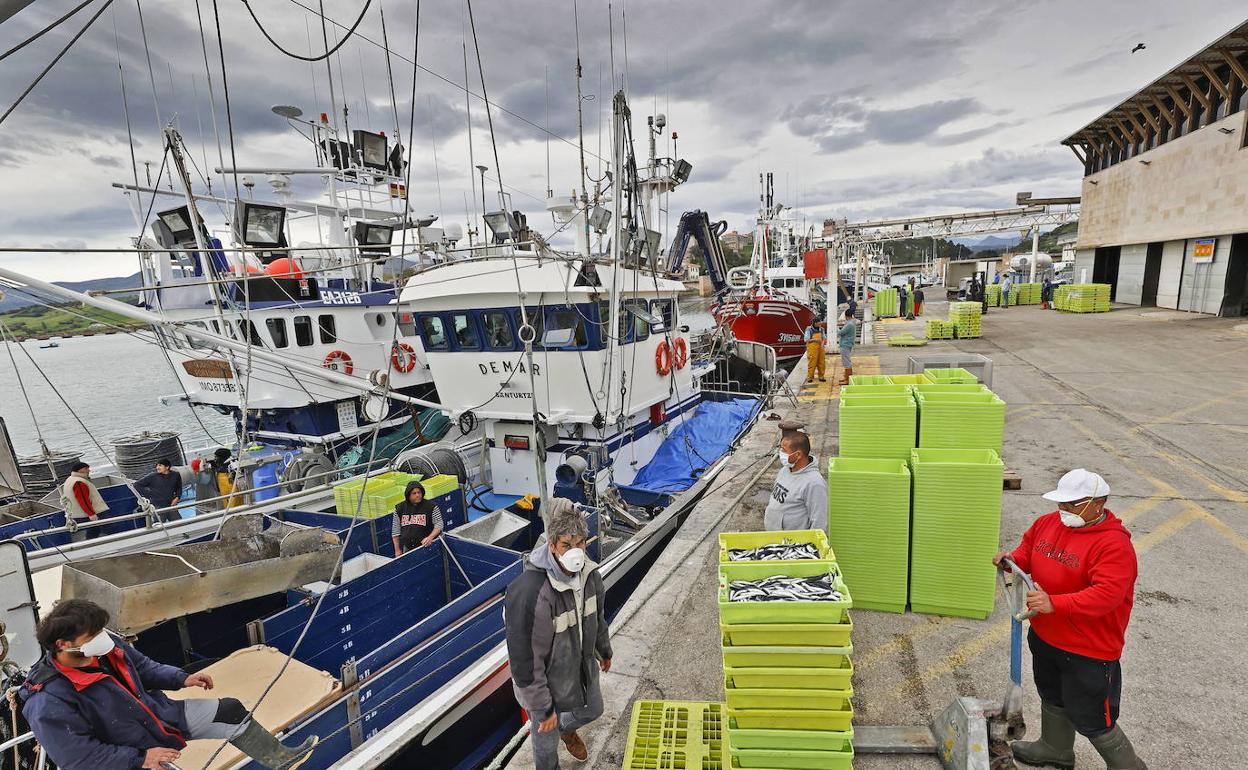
(653, 239)
(396, 163)
(261, 225)
(372, 149)
(499, 223)
(372, 234)
(599, 218)
(683, 168)
(179, 223)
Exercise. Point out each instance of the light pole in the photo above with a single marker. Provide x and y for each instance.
(483, 169)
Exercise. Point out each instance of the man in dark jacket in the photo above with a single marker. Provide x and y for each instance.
(417, 521)
(557, 638)
(163, 488)
(96, 703)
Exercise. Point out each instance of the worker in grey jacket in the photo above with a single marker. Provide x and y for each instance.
(799, 499)
(557, 638)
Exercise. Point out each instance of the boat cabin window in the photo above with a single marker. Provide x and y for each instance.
(379, 325)
(303, 330)
(466, 337)
(329, 329)
(498, 332)
(534, 315)
(665, 311)
(635, 320)
(277, 330)
(247, 331)
(565, 329)
(433, 329)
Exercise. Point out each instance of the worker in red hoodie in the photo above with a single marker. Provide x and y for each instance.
(1082, 561)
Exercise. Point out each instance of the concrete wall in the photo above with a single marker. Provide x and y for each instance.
(1194, 186)
(1084, 258)
(1171, 267)
(1131, 273)
(1204, 283)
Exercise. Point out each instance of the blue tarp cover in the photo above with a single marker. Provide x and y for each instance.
(694, 445)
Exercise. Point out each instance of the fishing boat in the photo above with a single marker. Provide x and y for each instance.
(771, 301)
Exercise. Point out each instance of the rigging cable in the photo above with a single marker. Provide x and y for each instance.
(52, 63)
(151, 73)
(44, 31)
(328, 51)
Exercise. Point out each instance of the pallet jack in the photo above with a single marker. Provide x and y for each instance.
(971, 733)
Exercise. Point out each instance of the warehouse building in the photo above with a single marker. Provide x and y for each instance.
(1164, 217)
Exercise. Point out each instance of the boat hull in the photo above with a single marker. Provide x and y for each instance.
(775, 321)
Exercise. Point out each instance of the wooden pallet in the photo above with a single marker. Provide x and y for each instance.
(1011, 480)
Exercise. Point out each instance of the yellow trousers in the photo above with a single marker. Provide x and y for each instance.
(814, 358)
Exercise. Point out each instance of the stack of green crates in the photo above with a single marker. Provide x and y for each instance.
(951, 376)
(992, 293)
(787, 667)
(877, 426)
(1028, 293)
(906, 340)
(938, 329)
(970, 420)
(869, 528)
(965, 317)
(1082, 298)
(887, 303)
(955, 531)
(382, 492)
(436, 486)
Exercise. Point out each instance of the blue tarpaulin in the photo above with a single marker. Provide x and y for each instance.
(694, 445)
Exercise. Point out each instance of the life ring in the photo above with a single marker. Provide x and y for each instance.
(663, 359)
(680, 352)
(741, 277)
(403, 357)
(339, 361)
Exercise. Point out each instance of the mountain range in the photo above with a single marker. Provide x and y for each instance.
(15, 299)
(988, 242)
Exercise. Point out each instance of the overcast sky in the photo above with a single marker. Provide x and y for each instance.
(861, 109)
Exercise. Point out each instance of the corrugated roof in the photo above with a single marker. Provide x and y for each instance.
(1211, 56)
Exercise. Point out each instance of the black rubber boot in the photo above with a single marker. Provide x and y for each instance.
(264, 747)
(1116, 749)
(1056, 746)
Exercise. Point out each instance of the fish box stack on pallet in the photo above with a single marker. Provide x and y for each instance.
(1027, 293)
(887, 304)
(992, 293)
(1082, 298)
(382, 492)
(938, 329)
(676, 735)
(898, 538)
(965, 317)
(784, 618)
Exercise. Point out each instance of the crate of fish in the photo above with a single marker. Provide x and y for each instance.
(786, 546)
(955, 530)
(676, 735)
(961, 420)
(906, 340)
(869, 519)
(788, 634)
(782, 592)
(868, 379)
(951, 376)
(939, 330)
(381, 492)
(788, 709)
(882, 426)
(784, 758)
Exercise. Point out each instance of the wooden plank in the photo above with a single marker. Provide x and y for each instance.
(1136, 124)
(1217, 81)
(1199, 94)
(1148, 116)
(1011, 479)
(1236, 67)
(1163, 112)
(1179, 101)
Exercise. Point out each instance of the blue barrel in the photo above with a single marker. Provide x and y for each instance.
(264, 476)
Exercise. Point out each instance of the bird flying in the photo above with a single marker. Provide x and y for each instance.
(1138, 47)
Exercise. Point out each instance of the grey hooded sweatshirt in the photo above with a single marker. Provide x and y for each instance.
(553, 648)
(799, 500)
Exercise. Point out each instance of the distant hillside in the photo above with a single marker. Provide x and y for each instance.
(989, 242)
(14, 299)
(64, 320)
(916, 250)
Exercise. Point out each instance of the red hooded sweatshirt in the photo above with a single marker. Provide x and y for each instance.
(1089, 573)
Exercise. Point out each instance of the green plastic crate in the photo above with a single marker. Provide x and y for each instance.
(906, 340)
(869, 379)
(436, 486)
(887, 303)
(789, 678)
(676, 735)
(737, 540)
(905, 379)
(382, 492)
(869, 518)
(955, 532)
(877, 426)
(794, 759)
(950, 387)
(794, 634)
(803, 740)
(879, 389)
(974, 420)
(954, 376)
(780, 612)
(790, 709)
(786, 657)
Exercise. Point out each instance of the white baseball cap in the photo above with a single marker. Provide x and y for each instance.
(1078, 484)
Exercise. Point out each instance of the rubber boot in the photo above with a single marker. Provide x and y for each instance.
(1116, 749)
(1056, 746)
(264, 747)
(849, 372)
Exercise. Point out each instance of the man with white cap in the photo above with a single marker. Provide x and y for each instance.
(1084, 567)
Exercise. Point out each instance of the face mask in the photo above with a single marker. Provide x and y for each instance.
(573, 560)
(96, 647)
(784, 458)
(1072, 520)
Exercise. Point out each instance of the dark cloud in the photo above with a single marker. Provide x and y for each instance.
(1103, 102)
(838, 124)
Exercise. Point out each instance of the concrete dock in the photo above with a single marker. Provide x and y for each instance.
(1151, 399)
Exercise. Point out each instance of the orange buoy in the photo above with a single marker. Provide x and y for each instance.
(283, 267)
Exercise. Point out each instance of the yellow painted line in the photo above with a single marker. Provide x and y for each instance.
(1194, 408)
(879, 654)
(1219, 526)
(1168, 528)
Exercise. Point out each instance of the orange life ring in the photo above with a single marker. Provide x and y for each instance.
(335, 356)
(663, 358)
(680, 352)
(405, 363)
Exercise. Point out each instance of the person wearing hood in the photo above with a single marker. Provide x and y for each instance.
(1083, 564)
(557, 638)
(417, 521)
(96, 703)
(799, 499)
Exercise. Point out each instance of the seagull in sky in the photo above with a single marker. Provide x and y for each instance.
(1138, 47)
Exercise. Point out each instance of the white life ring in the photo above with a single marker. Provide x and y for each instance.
(741, 277)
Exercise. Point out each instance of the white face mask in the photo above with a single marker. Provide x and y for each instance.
(96, 647)
(784, 458)
(1072, 520)
(573, 560)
